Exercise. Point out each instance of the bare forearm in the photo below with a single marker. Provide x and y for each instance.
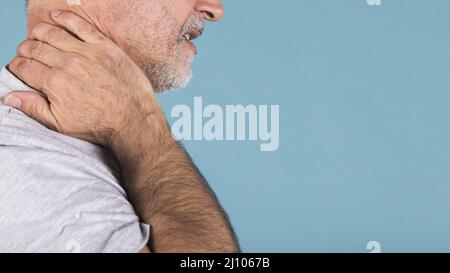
(169, 192)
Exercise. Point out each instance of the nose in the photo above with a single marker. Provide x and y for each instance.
(212, 10)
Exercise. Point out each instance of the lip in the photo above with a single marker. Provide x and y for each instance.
(195, 34)
(192, 45)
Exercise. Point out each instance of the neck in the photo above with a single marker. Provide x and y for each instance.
(40, 12)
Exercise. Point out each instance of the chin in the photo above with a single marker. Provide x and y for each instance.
(168, 78)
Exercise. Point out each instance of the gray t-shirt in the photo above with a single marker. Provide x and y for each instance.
(58, 193)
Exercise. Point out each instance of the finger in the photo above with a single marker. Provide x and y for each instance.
(41, 52)
(34, 73)
(56, 37)
(34, 105)
(78, 26)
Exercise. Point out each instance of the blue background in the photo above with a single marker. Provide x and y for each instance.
(365, 123)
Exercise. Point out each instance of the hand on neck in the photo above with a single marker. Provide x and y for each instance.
(40, 12)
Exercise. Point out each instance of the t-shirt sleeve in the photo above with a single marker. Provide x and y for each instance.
(55, 202)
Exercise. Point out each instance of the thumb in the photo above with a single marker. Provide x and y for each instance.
(32, 104)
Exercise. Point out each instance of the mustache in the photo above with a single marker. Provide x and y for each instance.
(193, 24)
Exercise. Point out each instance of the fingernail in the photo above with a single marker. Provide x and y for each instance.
(56, 13)
(14, 102)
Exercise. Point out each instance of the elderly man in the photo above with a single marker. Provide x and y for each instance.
(88, 160)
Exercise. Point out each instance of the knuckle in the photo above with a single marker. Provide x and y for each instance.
(33, 112)
(55, 33)
(73, 62)
(34, 109)
(22, 65)
(22, 48)
(36, 48)
(50, 81)
(38, 27)
(85, 28)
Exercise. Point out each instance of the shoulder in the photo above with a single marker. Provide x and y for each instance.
(55, 191)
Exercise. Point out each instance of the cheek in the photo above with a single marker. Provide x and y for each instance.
(151, 28)
(181, 9)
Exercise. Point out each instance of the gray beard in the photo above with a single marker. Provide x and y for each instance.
(173, 74)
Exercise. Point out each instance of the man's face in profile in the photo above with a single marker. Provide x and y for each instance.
(156, 34)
